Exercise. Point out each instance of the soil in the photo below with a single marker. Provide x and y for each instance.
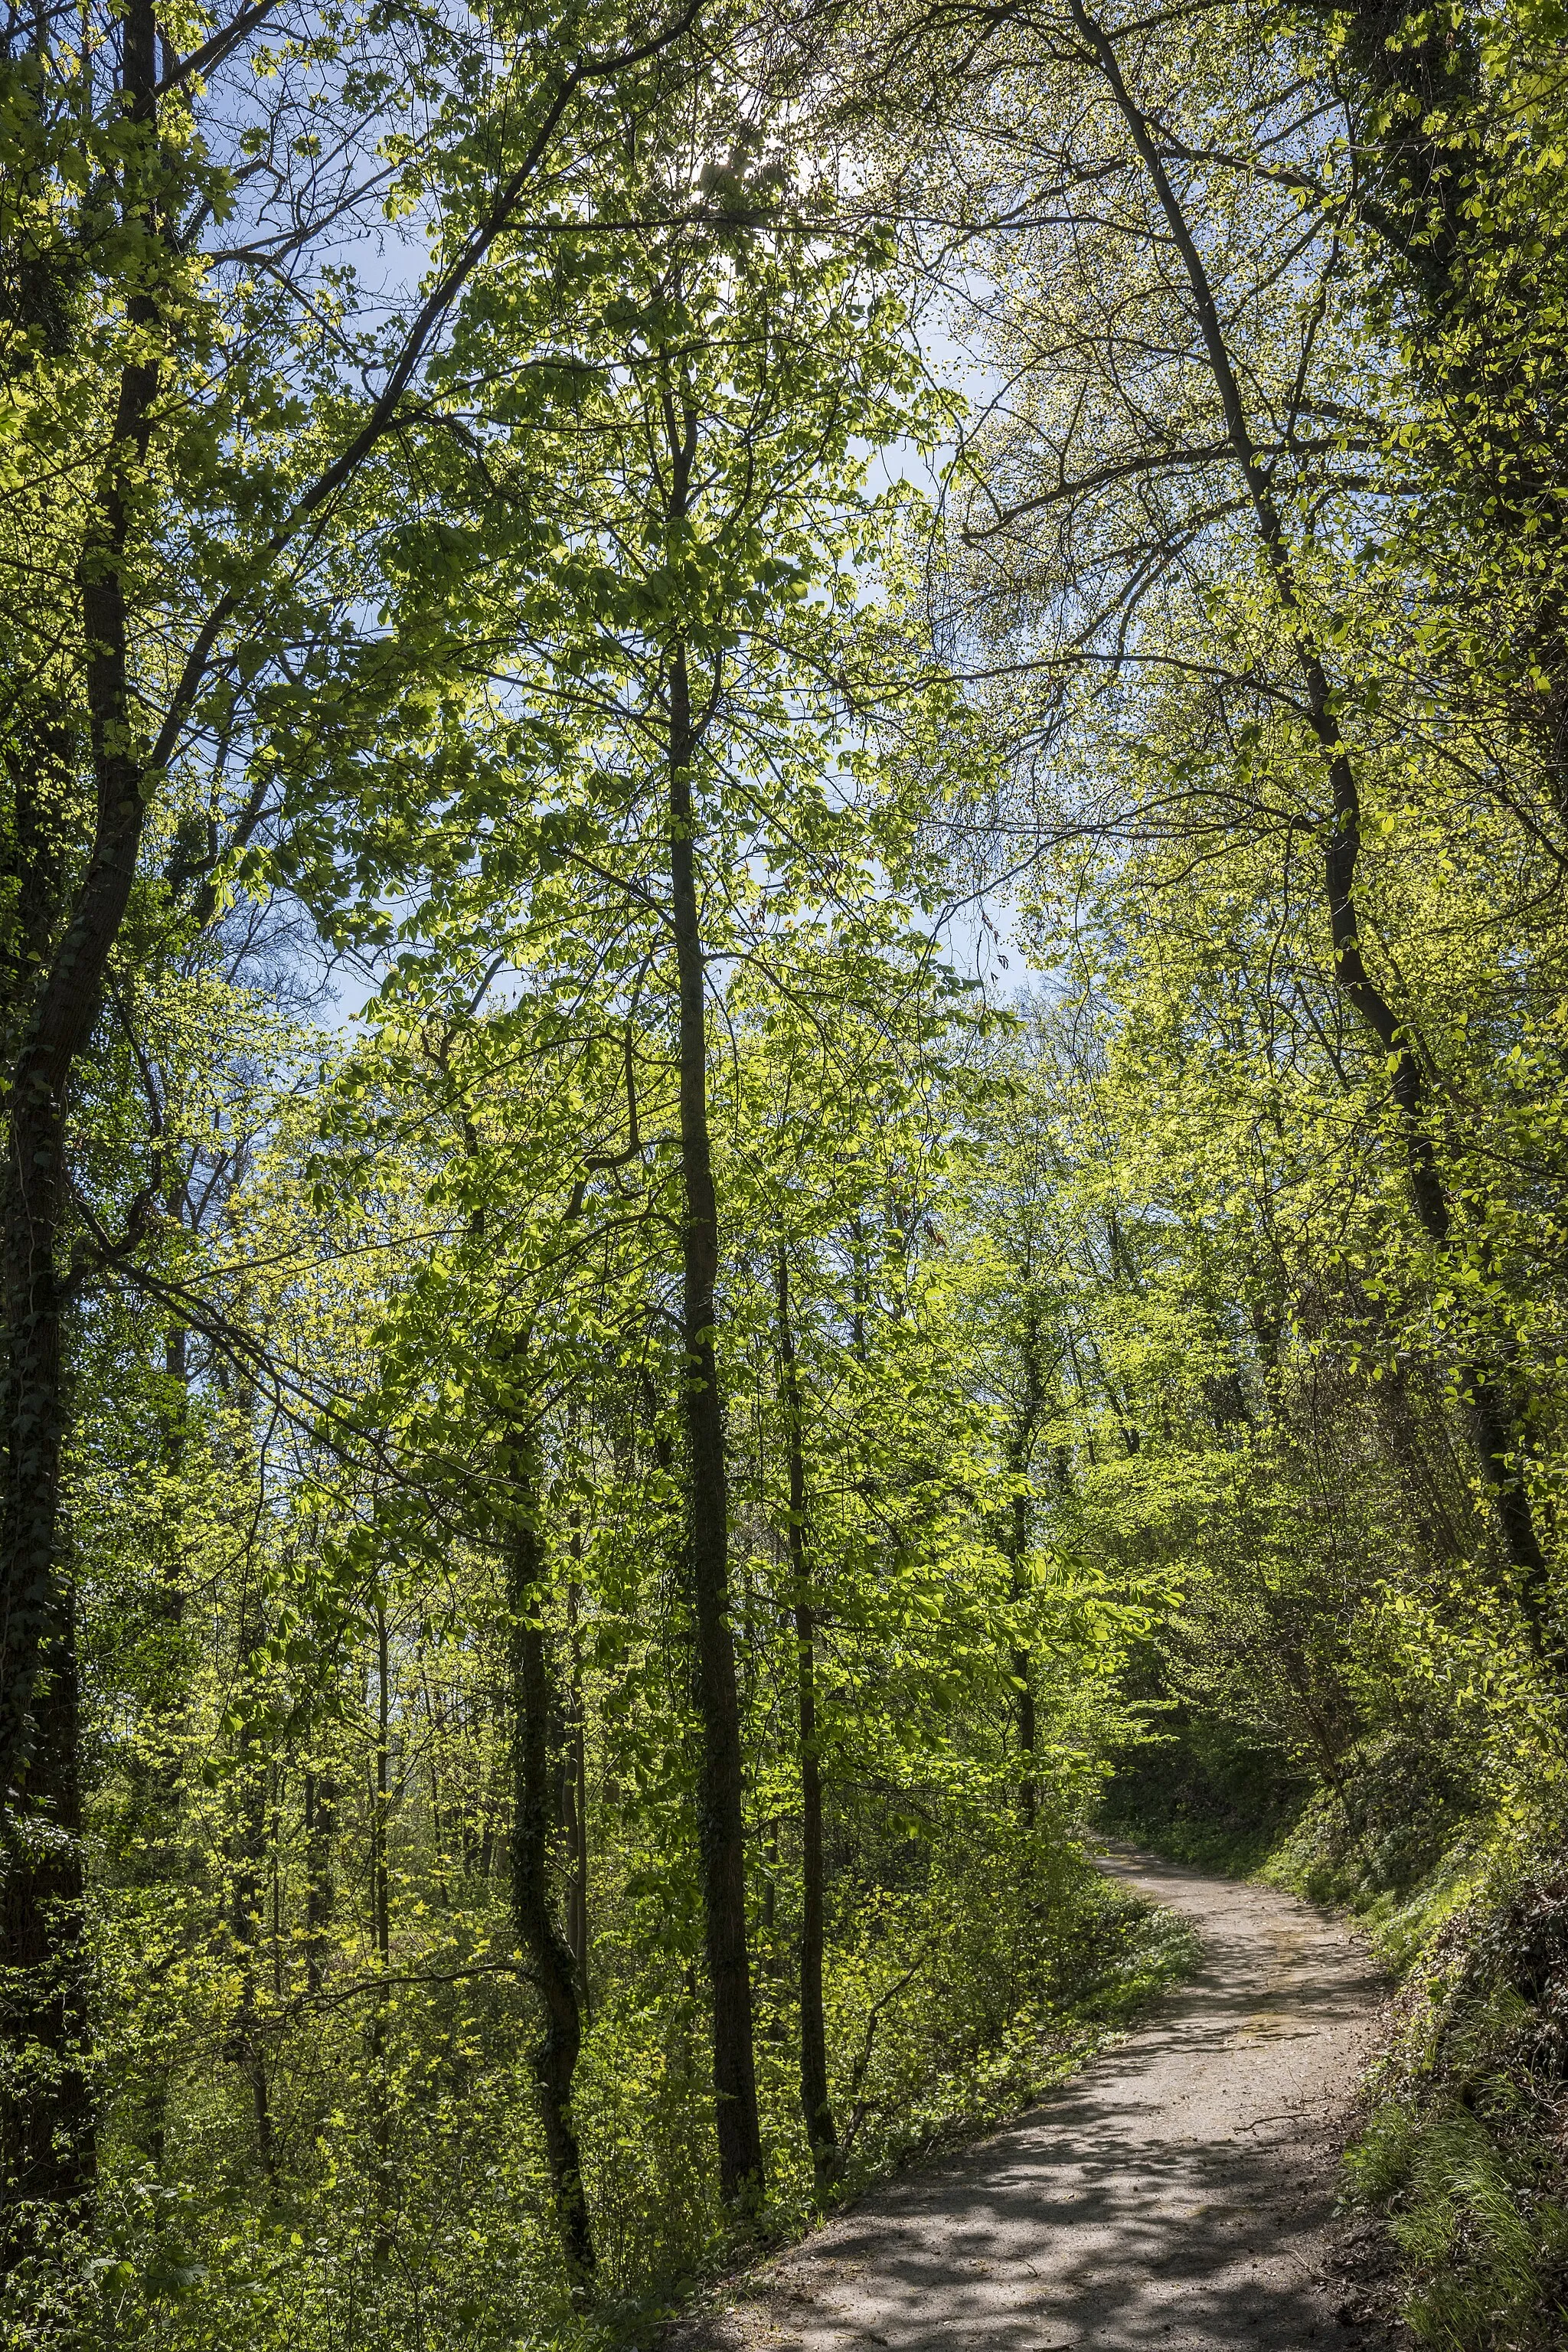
(1176, 2196)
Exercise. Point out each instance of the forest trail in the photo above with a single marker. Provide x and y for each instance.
(1173, 2196)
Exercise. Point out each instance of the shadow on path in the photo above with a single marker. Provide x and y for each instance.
(1175, 2194)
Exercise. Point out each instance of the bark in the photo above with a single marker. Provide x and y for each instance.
(246, 2044)
(770, 1889)
(320, 1830)
(1017, 1550)
(1023, 1674)
(435, 1721)
(816, 2103)
(381, 1795)
(49, 2135)
(47, 2153)
(61, 1022)
(381, 1927)
(574, 1790)
(170, 1601)
(860, 1286)
(547, 1953)
(1494, 1424)
(720, 1809)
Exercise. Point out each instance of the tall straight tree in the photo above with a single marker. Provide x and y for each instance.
(816, 2103)
(694, 717)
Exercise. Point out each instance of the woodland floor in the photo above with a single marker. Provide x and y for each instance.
(1176, 2195)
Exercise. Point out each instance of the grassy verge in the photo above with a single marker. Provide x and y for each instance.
(1462, 2152)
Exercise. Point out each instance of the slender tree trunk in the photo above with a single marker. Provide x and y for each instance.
(1493, 1420)
(176, 1438)
(381, 1929)
(770, 1890)
(859, 1285)
(381, 1792)
(435, 1719)
(816, 2103)
(1022, 1664)
(575, 1810)
(320, 1830)
(276, 1785)
(721, 1812)
(1018, 1454)
(548, 1955)
(245, 2045)
(48, 2156)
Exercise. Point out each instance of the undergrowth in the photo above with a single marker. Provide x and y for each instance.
(965, 1975)
(1200, 1792)
(1462, 2149)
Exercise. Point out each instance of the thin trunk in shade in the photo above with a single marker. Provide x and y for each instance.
(1017, 1551)
(547, 1953)
(245, 2043)
(47, 2159)
(321, 1829)
(816, 2104)
(384, 2186)
(574, 1783)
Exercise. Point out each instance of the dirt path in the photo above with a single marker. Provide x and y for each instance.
(1174, 2196)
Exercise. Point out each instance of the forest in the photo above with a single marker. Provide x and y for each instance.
(785, 988)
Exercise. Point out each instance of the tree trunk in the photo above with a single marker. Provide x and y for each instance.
(549, 1957)
(62, 1017)
(1018, 1454)
(48, 2148)
(720, 1809)
(50, 2153)
(321, 1829)
(245, 2042)
(816, 2104)
(171, 1598)
(381, 1929)
(575, 1790)
(1023, 1665)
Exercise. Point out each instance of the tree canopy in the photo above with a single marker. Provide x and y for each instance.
(784, 1007)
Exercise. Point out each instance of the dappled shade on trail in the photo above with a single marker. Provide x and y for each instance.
(1175, 2194)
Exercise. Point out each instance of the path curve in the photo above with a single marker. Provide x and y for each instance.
(1173, 2196)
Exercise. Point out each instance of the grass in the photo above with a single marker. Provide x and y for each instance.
(1462, 2153)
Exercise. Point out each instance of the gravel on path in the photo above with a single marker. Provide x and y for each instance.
(1173, 2196)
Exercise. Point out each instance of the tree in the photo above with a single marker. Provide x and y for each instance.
(196, 389)
(1180, 534)
(691, 714)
